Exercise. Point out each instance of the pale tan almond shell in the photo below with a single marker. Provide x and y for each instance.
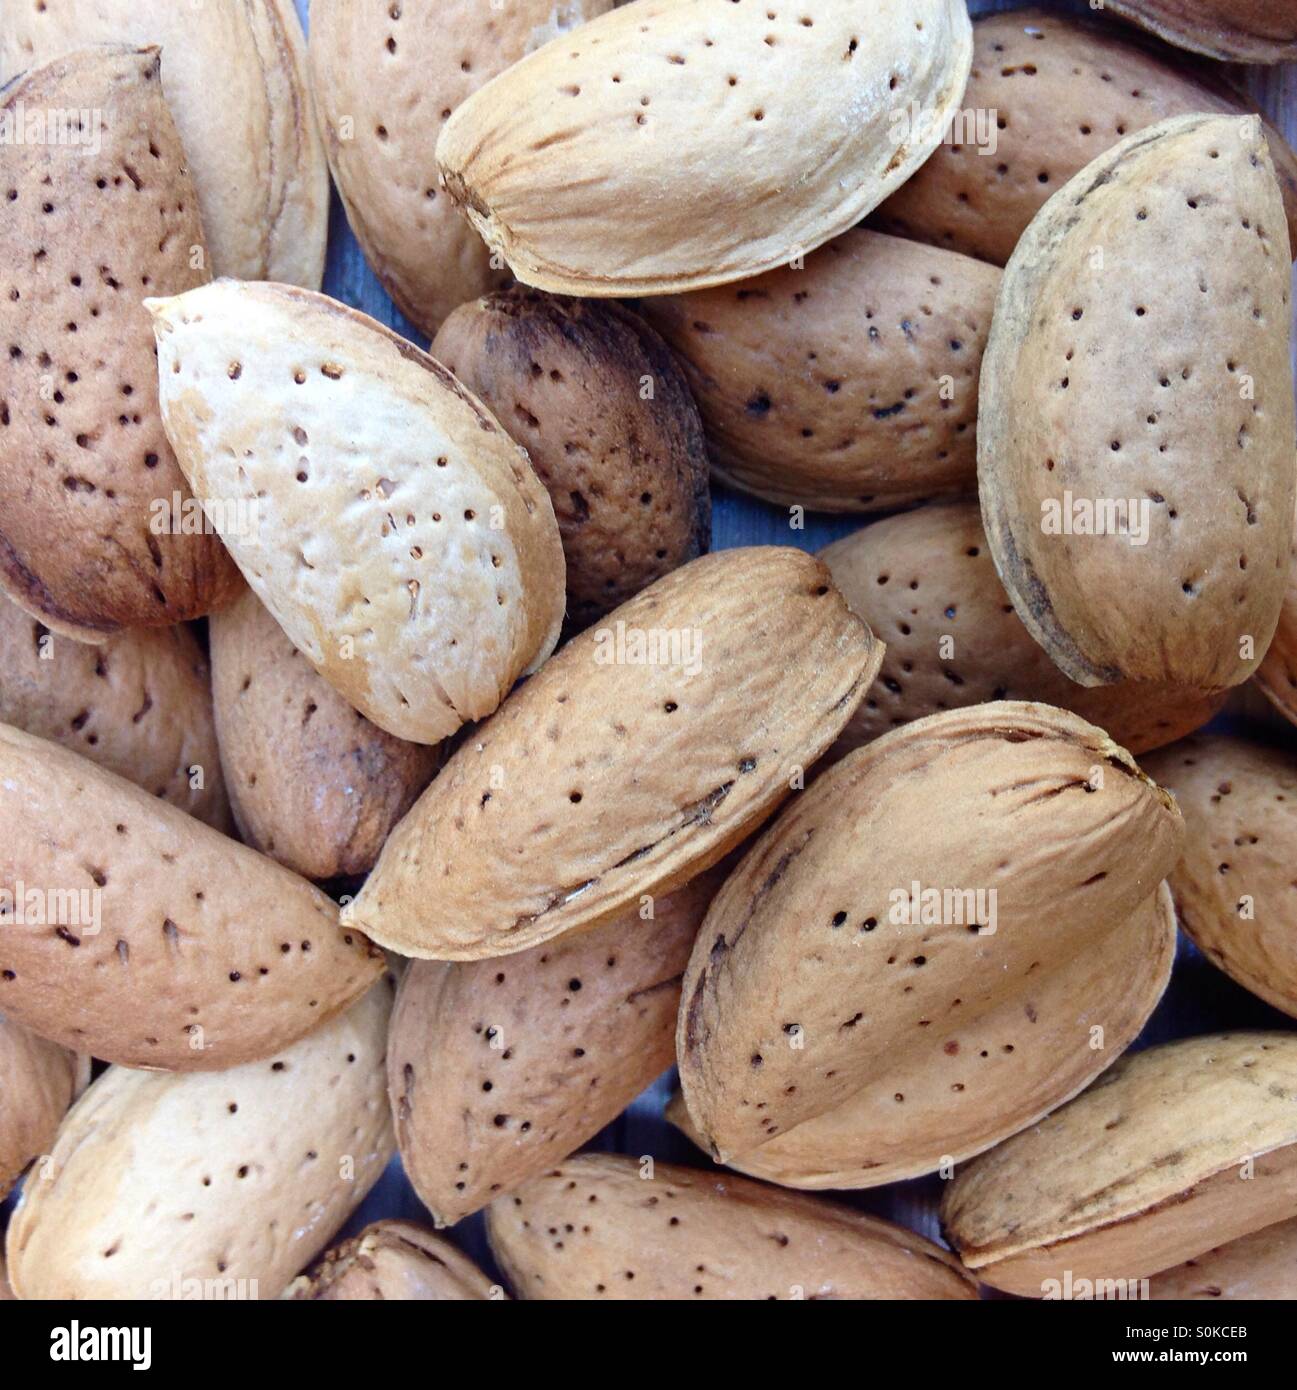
(802, 990)
(689, 1235)
(1142, 1171)
(239, 1175)
(1073, 369)
(873, 1137)
(694, 142)
(497, 1069)
(234, 76)
(1059, 92)
(394, 1261)
(1238, 31)
(1234, 886)
(1276, 677)
(402, 540)
(207, 954)
(7, 1294)
(386, 79)
(603, 779)
(139, 705)
(40, 1082)
(93, 538)
(313, 783)
(926, 576)
(1260, 1266)
(806, 405)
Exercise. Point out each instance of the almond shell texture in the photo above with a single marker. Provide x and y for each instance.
(234, 75)
(1059, 92)
(925, 582)
(596, 398)
(138, 934)
(1276, 677)
(92, 505)
(731, 675)
(1174, 1151)
(215, 1185)
(1260, 1266)
(820, 973)
(41, 1080)
(672, 144)
(805, 404)
(644, 1230)
(386, 79)
(1115, 373)
(1237, 31)
(393, 1261)
(379, 511)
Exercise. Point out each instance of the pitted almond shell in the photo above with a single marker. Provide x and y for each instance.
(497, 1069)
(139, 705)
(1237, 31)
(1260, 1266)
(95, 535)
(926, 583)
(235, 1178)
(645, 1230)
(1234, 886)
(386, 79)
(637, 757)
(174, 947)
(988, 1078)
(1047, 94)
(1277, 674)
(393, 1261)
(807, 986)
(379, 511)
(587, 168)
(1174, 1151)
(1162, 382)
(41, 1080)
(806, 406)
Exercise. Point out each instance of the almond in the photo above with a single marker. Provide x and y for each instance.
(805, 405)
(587, 168)
(214, 1186)
(1174, 1151)
(86, 459)
(387, 78)
(392, 528)
(925, 581)
(1238, 31)
(606, 1227)
(1276, 677)
(1260, 1266)
(1051, 93)
(597, 400)
(1160, 385)
(1234, 886)
(825, 976)
(235, 77)
(394, 1261)
(636, 758)
(142, 936)
(314, 784)
(499, 1068)
(41, 1081)
(140, 705)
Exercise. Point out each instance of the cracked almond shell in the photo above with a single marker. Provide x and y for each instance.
(1060, 92)
(41, 1080)
(587, 167)
(200, 953)
(926, 583)
(498, 1068)
(1159, 380)
(602, 1226)
(393, 1261)
(399, 537)
(1175, 1151)
(610, 774)
(808, 992)
(235, 1178)
(1236, 31)
(1234, 886)
(806, 405)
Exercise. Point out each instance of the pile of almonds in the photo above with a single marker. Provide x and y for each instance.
(394, 760)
